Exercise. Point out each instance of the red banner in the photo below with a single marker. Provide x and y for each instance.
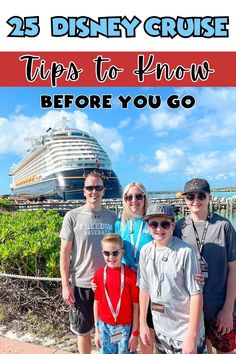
(57, 69)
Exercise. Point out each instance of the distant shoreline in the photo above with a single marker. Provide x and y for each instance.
(228, 189)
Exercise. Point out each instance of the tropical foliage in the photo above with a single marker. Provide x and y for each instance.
(4, 202)
(29, 243)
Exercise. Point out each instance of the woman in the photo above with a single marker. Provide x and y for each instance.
(133, 230)
(132, 226)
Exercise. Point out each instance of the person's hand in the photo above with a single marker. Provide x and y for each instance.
(200, 279)
(145, 335)
(224, 321)
(133, 343)
(94, 285)
(97, 338)
(189, 345)
(68, 295)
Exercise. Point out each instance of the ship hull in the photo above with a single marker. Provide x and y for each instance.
(68, 185)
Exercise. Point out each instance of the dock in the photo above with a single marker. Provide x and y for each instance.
(227, 206)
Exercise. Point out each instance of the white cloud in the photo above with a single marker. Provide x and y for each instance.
(215, 126)
(213, 165)
(208, 97)
(123, 123)
(168, 160)
(213, 117)
(162, 120)
(19, 108)
(166, 121)
(216, 98)
(140, 158)
(142, 121)
(14, 131)
(216, 164)
(221, 176)
(131, 138)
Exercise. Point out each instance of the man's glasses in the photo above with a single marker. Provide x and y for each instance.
(130, 197)
(112, 253)
(91, 188)
(192, 197)
(163, 224)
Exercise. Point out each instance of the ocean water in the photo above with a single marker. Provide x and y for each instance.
(173, 195)
(232, 218)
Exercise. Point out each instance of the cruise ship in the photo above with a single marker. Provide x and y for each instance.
(57, 163)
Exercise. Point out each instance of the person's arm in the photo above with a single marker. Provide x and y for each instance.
(144, 329)
(190, 341)
(67, 290)
(96, 320)
(133, 340)
(191, 268)
(225, 315)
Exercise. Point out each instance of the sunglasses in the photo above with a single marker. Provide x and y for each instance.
(130, 197)
(192, 197)
(112, 253)
(163, 224)
(91, 188)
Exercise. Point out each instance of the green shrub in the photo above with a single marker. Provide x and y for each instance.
(30, 243)
(4, 202)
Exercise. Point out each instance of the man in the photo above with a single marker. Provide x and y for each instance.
(214, 239)
(81, 234)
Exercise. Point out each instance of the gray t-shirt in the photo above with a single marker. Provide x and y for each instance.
(171, 271)
(85, 228)
(218, 250)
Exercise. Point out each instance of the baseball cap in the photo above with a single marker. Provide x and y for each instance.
(196, 185)
(160, 209)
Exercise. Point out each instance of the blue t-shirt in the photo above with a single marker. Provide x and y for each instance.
(135, 235)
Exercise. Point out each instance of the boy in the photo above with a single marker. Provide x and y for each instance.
(167, 271)
(214, 240)
(116, 301)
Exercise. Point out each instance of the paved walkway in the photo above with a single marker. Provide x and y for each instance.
(12, 346)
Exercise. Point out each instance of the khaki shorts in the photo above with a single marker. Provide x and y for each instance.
(81, 314)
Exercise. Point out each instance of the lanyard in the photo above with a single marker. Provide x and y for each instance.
(131, 232)
(200, 243)
(161, 271)
(114, 313)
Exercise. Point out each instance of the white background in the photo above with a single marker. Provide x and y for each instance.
(142, 9)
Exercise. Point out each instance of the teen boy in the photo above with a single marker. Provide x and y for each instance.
(116, 301)
(214, 240)
(167, 271)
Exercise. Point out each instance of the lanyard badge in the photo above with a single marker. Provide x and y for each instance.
(114, 312)
(200, 244)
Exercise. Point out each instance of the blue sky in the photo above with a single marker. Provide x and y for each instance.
(162, 147)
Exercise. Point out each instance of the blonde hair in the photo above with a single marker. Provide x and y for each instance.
(127, 213)
(112, 238)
